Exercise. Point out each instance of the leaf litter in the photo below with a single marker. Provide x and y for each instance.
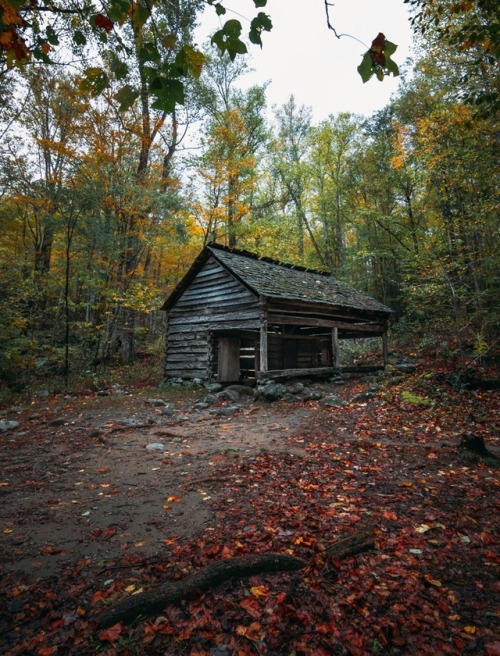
(87, 521)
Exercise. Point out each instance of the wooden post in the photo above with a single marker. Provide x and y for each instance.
(263, 345)
(385, 347)
(335, 348)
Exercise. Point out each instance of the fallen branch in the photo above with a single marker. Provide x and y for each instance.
(154, 601)
(352, 545)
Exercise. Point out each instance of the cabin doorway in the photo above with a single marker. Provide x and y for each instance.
(228, 370)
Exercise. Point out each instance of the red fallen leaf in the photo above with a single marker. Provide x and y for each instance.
(251, 606)
(493, 648)
(389, 515)
(57, 624)
(112, 634)
(98, 596)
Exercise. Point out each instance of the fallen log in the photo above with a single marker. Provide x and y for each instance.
(171, 592)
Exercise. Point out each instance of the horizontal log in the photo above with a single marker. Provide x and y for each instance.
(287, 306)
(197, 358)
(211, 319)
(325, 323)
(297, 373)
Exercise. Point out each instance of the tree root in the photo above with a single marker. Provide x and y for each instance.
(154, 601)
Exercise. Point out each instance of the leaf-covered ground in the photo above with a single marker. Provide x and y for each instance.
(283, 477)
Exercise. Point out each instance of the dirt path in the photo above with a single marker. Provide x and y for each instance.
(78, 481)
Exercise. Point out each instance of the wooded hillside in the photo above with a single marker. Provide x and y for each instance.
(102, 210)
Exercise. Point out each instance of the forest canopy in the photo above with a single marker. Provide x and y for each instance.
(102, 209)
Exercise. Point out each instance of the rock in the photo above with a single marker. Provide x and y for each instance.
(366, 396)
(331, 401)
(406, 368)
(272, 391)
(228, 394)
(213, 387)
(337, 381)
(155, 446)
(43, 394)
(291, 398)
(104, 392)
(209, 399)
(200, 406)
(311, 395)
(242, 390)
(224, 412)
(296, 388)
(156, 402)
(8, 425)
(59, 421)
(134, 422)
(169, 412)
(197, 381)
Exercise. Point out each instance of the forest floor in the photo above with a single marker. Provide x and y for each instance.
(91, 513)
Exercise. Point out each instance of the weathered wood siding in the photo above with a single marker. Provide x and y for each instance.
(214, 301)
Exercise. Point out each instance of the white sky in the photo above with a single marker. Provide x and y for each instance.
(301, 56)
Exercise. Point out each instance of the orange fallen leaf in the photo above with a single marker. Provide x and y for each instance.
(260, 590)
(471, 630)
(46, 651)
(112, 634)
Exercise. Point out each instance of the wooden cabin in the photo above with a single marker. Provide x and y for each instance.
(237, 316)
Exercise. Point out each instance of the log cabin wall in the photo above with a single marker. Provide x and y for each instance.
(214, 301)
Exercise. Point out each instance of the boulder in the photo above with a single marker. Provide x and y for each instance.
(228, 395)
(272, 391)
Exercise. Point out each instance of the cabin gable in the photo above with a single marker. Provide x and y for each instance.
(213, 303)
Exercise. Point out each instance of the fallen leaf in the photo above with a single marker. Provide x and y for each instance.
(112, 634)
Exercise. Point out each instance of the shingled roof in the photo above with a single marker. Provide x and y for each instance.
(276, 280)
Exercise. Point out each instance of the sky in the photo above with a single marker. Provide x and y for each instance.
(301, 56)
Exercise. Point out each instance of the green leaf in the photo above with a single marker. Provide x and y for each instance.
(139, 15)
(52, 36)
(94, 81)
(79, 38)
(365, 68)
(118, 10)
(189, 61)
(118, 67)
(260, 23)
(168, 94)
(391, 66)
(220, 10)
(227, 39)
(389, 48)
(126, 96)
(149, 52)
(260, 3)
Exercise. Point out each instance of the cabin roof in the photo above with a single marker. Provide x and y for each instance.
(279, 281)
